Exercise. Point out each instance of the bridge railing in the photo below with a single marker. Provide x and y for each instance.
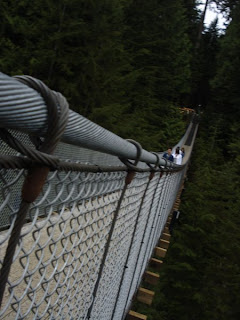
(81, 209)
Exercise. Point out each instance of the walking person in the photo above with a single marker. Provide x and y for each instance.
(168, 155)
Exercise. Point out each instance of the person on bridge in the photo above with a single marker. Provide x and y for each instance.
(182, 152)
(177, 156)
(168, 155)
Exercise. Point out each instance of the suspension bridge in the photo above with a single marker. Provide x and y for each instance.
(81, 209)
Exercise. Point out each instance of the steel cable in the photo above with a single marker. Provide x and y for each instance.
(57, 120)
(22, 108)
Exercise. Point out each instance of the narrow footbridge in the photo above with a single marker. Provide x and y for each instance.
(81, 209)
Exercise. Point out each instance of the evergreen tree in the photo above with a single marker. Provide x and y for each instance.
(124, 64)
(204, 66)
(158, 48)
(226, 81)
(201, 270)
(74, 46)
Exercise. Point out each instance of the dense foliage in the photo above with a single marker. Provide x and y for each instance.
(128, 65)
(201, 274)
(124, 64)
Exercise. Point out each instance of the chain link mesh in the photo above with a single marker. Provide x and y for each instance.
(77, 249)
(62, 244)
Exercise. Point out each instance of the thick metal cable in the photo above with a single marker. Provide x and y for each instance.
(57, 112)
(22, 108)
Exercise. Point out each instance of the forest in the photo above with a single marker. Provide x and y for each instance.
(129, 65)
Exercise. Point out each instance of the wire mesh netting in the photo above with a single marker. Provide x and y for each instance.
(58, 256)
(88, 236)
(57, 261)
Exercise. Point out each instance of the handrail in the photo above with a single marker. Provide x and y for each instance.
(23, 109)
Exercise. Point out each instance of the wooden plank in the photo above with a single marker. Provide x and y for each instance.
(156, 264)
(166, 229)
(145, 296)
(166, 236)
(160, 252)
(163, 243)
(151, 277)
(132, 315)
